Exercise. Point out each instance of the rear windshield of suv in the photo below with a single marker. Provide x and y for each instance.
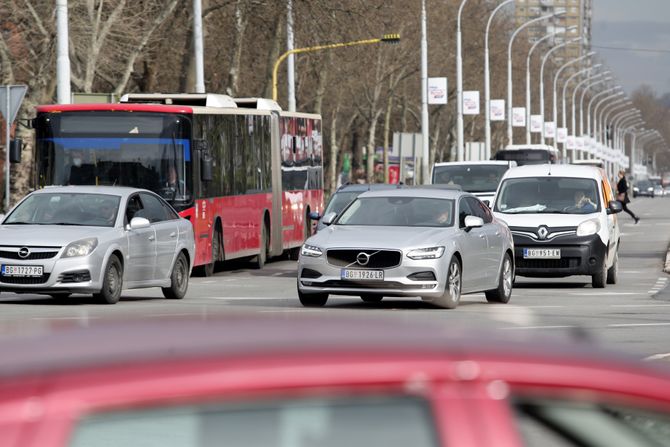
(548, 195)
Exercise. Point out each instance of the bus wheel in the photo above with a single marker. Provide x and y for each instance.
(259, 260)
(209, 269)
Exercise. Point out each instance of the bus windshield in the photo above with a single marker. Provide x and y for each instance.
(143, 150)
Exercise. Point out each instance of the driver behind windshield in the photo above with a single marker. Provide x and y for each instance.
(584, 203)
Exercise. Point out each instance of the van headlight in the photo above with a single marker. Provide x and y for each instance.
(426, 253)
(588, 227)
(82, 247)
(311, 251)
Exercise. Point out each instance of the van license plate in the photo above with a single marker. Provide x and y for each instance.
(374, 275)
(542, 253)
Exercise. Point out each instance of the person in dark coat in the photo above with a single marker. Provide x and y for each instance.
(622, 194)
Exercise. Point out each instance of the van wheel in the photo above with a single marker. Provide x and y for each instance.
(613, 272)
(503, 292)
(599, 280)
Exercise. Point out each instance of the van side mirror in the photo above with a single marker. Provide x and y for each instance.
(15, 147)
(614, 207)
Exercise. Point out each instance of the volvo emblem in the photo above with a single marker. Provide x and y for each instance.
(542, 233)
(362, 258)
(24, 252)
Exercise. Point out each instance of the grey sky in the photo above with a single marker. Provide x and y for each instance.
(634, 24)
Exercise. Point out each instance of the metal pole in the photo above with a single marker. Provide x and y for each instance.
(574, 99)
(7, 131)
(424, 98)
(544, 61)
(198, 47)
(62, 58)
(291, 59)
(596, 96)
(565, 89)
(528, 91)
(459, 85)
(604, 116)
(510, 134)
(596, 129)
(487, 80)
(581, 105)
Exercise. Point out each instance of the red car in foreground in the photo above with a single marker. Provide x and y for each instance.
(320, 382)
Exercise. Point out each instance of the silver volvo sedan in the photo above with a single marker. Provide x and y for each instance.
(95, 239)
(431, 243)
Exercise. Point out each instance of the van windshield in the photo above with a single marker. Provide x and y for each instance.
(548, 195)
(471, 178)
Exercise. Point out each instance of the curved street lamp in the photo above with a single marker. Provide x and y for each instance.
(581, 101)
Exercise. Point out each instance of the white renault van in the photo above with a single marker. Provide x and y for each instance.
(563, 220)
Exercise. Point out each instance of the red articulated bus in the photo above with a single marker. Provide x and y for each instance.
(246, 173)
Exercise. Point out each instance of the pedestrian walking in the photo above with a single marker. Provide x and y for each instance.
(622, 194)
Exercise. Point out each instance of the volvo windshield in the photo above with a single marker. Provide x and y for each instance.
(471, 178)
(143, 150)
(399, 212)
(548, 195)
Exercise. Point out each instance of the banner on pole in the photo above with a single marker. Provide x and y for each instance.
(549, 129)
(497, 110)
(579, 143)
(561, 134)
(471, 102)
(536, 123)
(518, 117)
(570, 142)
(437, 90)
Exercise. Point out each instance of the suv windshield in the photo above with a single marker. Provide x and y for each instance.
(471, 178)
(554, 195)
(399, 212)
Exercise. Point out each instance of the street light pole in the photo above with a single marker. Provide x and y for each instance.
(290, 64)
(459, 86)
(594, 98)
(198, 47)
(487, 80)
(581, 102)
(565, 89)
(62, 59)
(510, 134)
(544, 61)
(596, 114)
(424, 98)
(606, 115)
(555, 96)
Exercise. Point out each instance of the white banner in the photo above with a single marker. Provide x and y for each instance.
(497, 110)
(561, 134)
(570, 142)
(471, 102)
(536, 123)
(549, 129)
(579, 143)
(437, 90)
(518, 117)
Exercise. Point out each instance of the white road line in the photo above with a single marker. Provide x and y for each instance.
(240, 298)
(638, 324)
(81, 317)
(631, 272)
(658, 357)
(639, 305)
(540, 327)
(601, 293)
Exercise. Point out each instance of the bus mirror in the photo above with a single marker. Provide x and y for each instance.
(206, 167)
(15, 150)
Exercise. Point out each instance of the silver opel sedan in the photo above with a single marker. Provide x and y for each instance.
(431, 243)
(95, 239)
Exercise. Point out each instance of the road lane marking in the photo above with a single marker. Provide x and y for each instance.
(639, 305)
(657, 357)
(601, 293)
(638, 324)
(540, 327)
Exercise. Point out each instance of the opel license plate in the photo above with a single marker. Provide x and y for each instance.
(22, 270)
(375, 275)
(542, 253)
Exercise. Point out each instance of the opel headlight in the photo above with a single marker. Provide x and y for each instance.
(588, 227)
(83, 247)
(311, 251)
(426, 253)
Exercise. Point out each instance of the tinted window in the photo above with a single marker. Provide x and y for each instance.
(463, 211)
(153, 208)
(359, 422)
(471, 178)
(399, 211)
(479, 209)
(548, 195)
(340, 200)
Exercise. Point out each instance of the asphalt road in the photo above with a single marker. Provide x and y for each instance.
(633, 315)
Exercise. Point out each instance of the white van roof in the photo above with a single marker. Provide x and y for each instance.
(554, 170)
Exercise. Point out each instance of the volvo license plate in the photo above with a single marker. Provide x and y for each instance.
(365, 275)
(542, 253)
(22, 270)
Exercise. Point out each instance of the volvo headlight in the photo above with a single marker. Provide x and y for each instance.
(311, 251)
(83, 247)
(588, 227)
(426, 253)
